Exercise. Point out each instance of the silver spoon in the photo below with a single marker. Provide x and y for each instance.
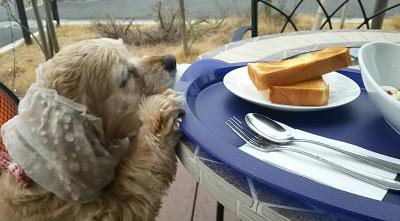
(276, 133)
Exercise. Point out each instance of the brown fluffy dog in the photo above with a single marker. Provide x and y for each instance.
(133, 99)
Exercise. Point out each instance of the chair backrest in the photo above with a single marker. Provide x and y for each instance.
(8, 107)
(378, 14)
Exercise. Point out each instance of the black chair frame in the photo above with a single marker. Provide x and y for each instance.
(289, 17)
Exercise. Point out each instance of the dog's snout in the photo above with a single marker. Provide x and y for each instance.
(169, 62)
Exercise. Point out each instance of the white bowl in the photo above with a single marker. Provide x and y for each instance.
(380, 66)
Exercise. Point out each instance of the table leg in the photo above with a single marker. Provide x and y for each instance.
(220, 212)
(194, 201)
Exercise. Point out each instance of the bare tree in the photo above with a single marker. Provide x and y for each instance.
(42, 35)
(319, 16)
(52, 33)
(50, 45)
(343, 16)
(6, 5)
(378, 20)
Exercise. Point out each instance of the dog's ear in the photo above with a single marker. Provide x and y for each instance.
(85, 63)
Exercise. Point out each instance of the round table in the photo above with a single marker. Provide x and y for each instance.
(245, 196)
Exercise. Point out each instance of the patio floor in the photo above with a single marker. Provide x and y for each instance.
(177, 205)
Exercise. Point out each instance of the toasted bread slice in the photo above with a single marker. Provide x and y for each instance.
(308, 93)
(291, 71)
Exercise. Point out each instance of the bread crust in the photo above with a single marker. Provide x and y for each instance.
(264, 75)
(309, 93)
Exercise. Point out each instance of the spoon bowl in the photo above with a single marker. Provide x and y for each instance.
(268, 128)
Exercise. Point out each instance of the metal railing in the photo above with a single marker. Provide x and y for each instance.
(289, 16)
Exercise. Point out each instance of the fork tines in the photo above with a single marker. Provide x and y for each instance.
(242, 131)
(246, 129)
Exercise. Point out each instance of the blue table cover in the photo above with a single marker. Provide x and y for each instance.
(209, 104)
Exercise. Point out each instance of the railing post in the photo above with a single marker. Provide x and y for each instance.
(254, 18)
(378, 20)
(54, 10)
(220, 212)
(24, 21)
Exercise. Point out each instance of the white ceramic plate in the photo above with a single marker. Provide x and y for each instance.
(342, 90)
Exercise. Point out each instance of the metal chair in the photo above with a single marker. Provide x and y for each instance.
(8, 107)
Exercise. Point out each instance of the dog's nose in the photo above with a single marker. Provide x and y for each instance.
(169, 62)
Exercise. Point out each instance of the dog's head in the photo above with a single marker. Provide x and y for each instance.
(53, 136)
(101, 75)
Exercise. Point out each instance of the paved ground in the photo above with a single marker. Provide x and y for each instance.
(177, 206)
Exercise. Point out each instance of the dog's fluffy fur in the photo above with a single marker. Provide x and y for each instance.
(133, 98)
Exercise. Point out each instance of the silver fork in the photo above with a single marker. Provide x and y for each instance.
(262, 144)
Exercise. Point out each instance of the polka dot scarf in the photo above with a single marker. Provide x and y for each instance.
(60, 146)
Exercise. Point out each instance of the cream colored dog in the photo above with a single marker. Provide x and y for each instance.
(133, 99)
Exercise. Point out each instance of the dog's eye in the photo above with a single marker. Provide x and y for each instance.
(128, 74)
(125, 77)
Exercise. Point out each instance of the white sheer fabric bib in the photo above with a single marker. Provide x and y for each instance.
(60, 146)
